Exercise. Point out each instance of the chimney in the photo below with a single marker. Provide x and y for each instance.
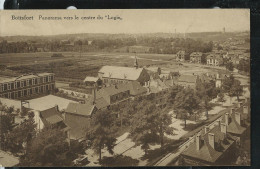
(226, 118)
(245, 109)
(218, 122)
(206, 129)
(211, 140)
(56, 107)
(223, 128)
(217, 75)
(238, 118)
(94, 95)
(198, 142)
(232, 110)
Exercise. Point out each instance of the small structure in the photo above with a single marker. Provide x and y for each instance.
(78, 117)
(187, 81)
(214, 60)
(93, 81)
(195, 57)
(180, 56)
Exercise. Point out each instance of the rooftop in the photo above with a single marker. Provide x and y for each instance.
(80, 109)
(117, 72)
(8, 160)
(24, 77)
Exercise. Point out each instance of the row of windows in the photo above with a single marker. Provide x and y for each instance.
(27, 92)
(24, 83)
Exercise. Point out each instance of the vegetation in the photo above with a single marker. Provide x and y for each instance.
(102, 132)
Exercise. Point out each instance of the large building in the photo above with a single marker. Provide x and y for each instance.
(180, 56)
(214, 60)
(117, 74)
(195, 57)
(27, 85)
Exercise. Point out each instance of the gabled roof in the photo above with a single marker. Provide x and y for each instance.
(117, 72)
(196, 54)
(80, 109)
(135, 88)
(181, 52)
(206, 152)
(91, 79)
(112, 90)
(51, 116)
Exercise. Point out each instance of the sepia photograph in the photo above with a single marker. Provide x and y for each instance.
(125, 87)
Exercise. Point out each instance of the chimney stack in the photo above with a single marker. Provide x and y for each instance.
(227, 118)
(218, 122)
(223, 128)
(206, 129)
(56, 107)
(94, 95)
(211, 140)
(198, 142)
(238, 118)
(245, 109)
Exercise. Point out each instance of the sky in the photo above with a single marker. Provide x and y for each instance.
(133, 21)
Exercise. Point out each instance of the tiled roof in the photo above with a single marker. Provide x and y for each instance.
(23, 77)
(116, 72)
(135, 88)
(196, 54)
(112, 90)
(51, 116)
(206, 152)
(8, 160)
(80, 109)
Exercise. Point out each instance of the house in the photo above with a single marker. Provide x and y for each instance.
(210, 147)
(28, 85)
(214, 60)
(136, 89)
(180, 56)
(78, 116)
(156, 86)
(93, 81)
(187, 81)
(113, 93)
(8, 160)
(195, 57)
(117, 74)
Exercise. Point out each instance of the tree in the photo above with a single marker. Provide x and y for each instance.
(151, 123)
(21, 135)
(48, 148)
(221, 97)
(186, 103)
(102, 133)
(229, 66)
(236, 89)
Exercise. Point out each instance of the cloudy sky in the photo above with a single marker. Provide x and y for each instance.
(133, 21)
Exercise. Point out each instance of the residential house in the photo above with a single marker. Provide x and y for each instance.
(92, 81)
(195, 57)
(214, 60)
(26, 86)
(210, 147)
(114, 93)
(180, 56)
(117, 74)
(187, 81)
(78, 116)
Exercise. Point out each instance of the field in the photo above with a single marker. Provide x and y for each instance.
(76, 66)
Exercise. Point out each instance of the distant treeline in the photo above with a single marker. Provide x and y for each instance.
(156, 45)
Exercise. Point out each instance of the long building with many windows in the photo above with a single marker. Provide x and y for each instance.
(27, 85)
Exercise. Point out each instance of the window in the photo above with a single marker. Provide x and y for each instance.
(28, 92)
(9, 87)
(9, 95)
(49, 78)
(27, 82)
(22, 83)
(33, 81)
(33, 90)
(44, 80)
(1, 89)
(16, 95)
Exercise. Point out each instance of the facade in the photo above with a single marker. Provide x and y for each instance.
(195, 57)
(180, 56)
(77, 117)
(214, 60)
(27, 85)
(93, 81)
